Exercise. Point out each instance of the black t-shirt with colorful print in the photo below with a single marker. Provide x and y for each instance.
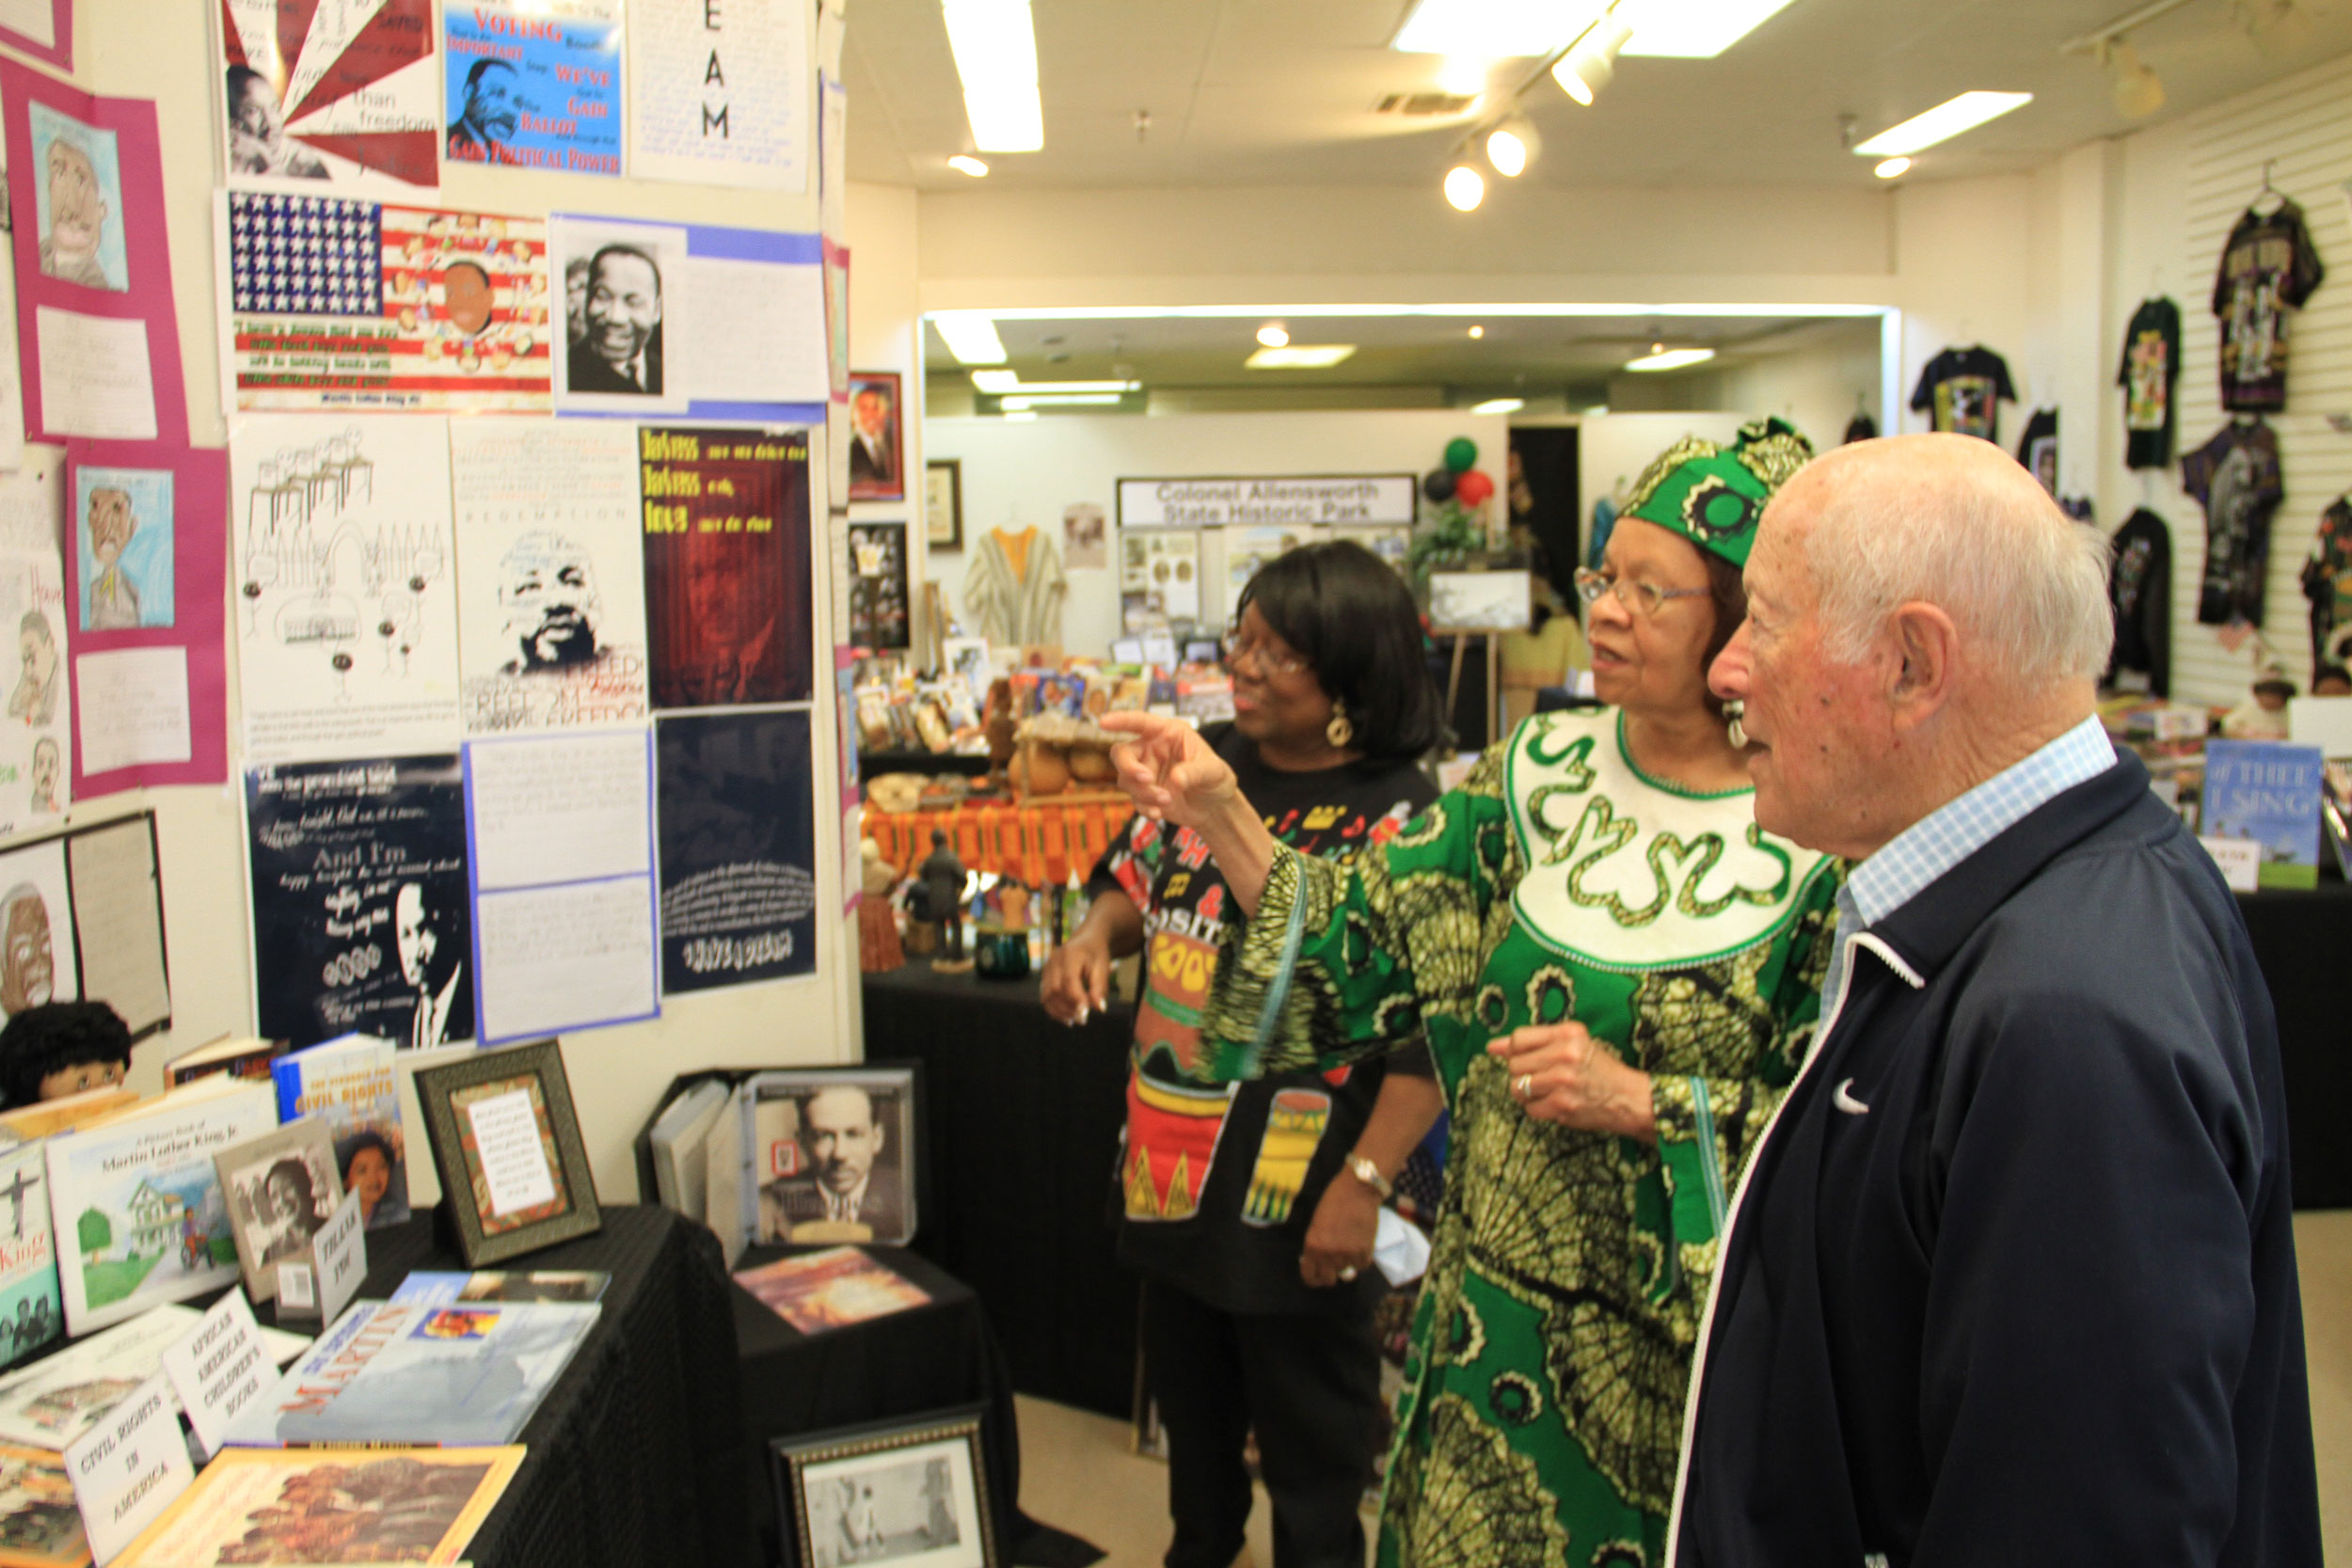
(2269, 268)
(1217, 1186)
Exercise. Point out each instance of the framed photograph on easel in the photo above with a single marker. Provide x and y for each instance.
(913, 1490)
(506, 1142)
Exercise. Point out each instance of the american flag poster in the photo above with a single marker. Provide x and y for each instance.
(337, 303)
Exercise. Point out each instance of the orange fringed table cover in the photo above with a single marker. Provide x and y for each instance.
(1041, 842)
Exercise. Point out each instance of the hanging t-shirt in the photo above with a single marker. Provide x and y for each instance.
(2139, 590)
(2269, 267)
(2236, 475)
(2327, 578)
(2151, 363)
(1217, 1185)
(1860, 428)
(2038, 449)
(1963, 391)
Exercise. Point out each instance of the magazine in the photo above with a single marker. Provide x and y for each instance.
(430, 1289)
(40, 1527)
(32, 1310)
(413, 1372)
(383, 1505)
(141, 1215)
(833, 1289)
(351, 1083)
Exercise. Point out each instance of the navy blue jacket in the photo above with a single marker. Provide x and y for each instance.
(2013, 1277)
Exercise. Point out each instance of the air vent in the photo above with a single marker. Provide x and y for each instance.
(1422, 103)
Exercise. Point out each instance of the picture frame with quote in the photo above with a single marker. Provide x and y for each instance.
(507, 1144)
(913, 1488)
(943, 503)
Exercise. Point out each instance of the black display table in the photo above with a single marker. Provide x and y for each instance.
(637, 1452)
(2301, 940)
(1024, 1120)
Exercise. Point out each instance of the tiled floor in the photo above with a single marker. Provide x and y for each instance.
(1077, 1471)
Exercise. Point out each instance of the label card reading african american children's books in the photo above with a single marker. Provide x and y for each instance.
(832, 1288)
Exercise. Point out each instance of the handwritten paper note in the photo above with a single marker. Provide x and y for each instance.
(557, 959)
(133, 707)
(514, 1163)
(719, 95)
(768, 345)
(95, 379)
(562, 808)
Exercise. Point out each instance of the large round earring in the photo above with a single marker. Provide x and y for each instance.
(1339, 732)
(1733, 729)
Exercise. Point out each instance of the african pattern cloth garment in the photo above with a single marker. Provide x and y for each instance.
(1012, 591)
(1217, 1185)
(1542, 1410)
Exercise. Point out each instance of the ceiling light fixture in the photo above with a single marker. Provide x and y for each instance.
(1464, 75)
(995, 43)
(1478, 332)
(2276, 27)
(963, 163)
(1061, 400)
(1893, 169)
(1020, 415)
(1492, 29)
(1670, 360)
(971, 336)
(1299, 357)
(2138, 92)
(1512, 146)
(1499, 405)
(999, 383)
(1692, 29)
(1942, 124)
(1591, 62)
(1465, 188)
(1272, 335)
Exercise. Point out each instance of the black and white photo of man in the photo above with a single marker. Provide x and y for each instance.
(620, 347)
(548, 587)
(257, 132)
(432, 960)
(849, 1186)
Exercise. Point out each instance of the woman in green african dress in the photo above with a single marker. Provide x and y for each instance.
(1617, 975)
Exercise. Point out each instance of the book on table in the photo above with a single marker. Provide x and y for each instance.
(32, 1306)
(351, 1083)
(833, 1289)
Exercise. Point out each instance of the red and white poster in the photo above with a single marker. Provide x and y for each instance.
(331, 94)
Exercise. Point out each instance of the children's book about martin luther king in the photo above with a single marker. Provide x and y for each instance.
(2270, 793)
(32, 1311)
(350, 1081)
(138, 1210)
(416, 1372)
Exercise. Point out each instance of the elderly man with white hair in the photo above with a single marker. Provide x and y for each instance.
(2011, 1278)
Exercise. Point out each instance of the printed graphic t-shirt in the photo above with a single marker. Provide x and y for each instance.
(2327, 578)
(2269, 267)
(1963, 391)
(1218, 1185)
(2151, 363)
(2038, 449)
(2236, 475)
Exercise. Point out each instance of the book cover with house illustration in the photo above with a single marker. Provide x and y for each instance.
(139, 1214)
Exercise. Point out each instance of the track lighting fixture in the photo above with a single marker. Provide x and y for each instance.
(1590, 63)
(1465, 188)
(1512, 146)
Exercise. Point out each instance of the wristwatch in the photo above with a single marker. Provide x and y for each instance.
(1369, 1173)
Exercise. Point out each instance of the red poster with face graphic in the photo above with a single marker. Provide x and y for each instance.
(727, 593)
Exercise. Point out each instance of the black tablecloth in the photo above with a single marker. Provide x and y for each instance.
(637, 1453)
(925, 1359)
(1024, 1117)
(2304, 943)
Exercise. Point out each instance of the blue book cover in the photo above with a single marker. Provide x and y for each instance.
(459, 1374)
(2267, 792)
(351, 1082)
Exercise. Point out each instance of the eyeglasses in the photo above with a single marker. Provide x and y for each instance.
(1268, 663)
(1645, 599)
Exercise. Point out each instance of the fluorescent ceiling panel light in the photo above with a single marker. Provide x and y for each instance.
(1464, 75)
(1942, 124)
(1494, 29)
(999, 383)
(963, 163)
(996, 50)
(1671, 360)
(1595, 411)
(1061, 400)
(971, 336)
(1020, 415)
(1893, 169)
(1273, 335)
(1465, 188)
(1692, 29)
(1299, 357)
(996, 382)
(1499, 405)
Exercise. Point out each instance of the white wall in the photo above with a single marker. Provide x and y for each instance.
(1019, 473)
(159, 49)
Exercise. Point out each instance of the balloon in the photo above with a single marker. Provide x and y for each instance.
(1472, 486)
(1437, 484)
(1461, 454)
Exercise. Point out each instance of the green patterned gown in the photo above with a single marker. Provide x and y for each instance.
(1542, 1411)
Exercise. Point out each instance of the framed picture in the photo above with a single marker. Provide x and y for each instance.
(943, 503)
(878, 585)
(1481, 601)
(912, 1493)
(877, 430)
(832, 1152)
(506, 1143)
(282, 1189)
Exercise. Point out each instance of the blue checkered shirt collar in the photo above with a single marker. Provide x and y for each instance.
(1915, 857)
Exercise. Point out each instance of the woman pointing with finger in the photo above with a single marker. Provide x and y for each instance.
(1616, 974)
